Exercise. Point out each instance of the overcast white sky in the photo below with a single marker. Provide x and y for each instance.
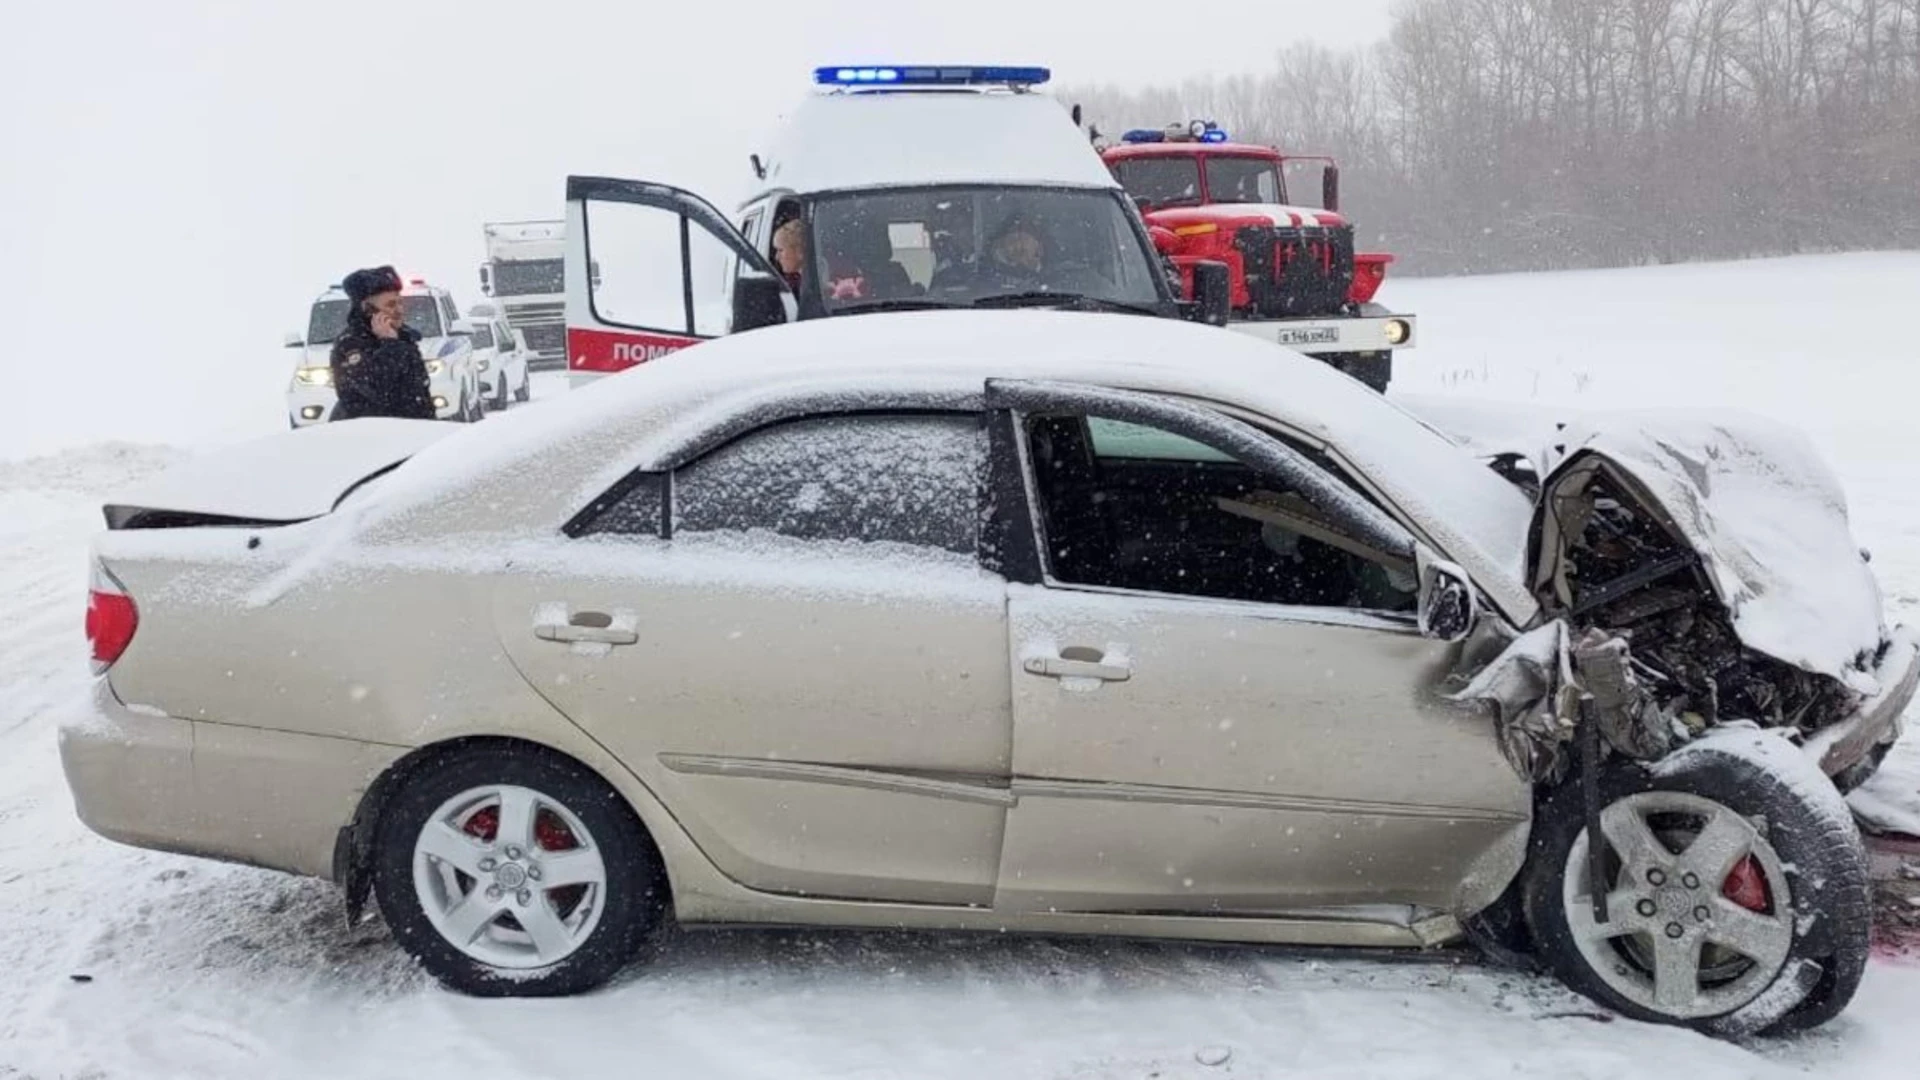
(183, 175)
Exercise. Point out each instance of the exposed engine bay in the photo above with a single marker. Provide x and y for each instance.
(1635, 613)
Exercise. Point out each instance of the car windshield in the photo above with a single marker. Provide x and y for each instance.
(528, 277)
(986, 246)
(329, 318)
(1161, 181)
(1243, 180)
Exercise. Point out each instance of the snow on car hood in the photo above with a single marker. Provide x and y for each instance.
(282, 478)
(1767, 517)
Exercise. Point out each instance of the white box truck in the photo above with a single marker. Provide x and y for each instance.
(524, 274)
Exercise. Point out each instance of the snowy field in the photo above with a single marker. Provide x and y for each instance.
(119, 963)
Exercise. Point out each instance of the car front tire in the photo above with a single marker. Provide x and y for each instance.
(1738, 897)
(510, 871)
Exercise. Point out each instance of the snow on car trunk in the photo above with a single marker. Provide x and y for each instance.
(280, 479)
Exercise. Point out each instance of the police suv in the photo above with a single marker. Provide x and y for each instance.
(446, 343)
(911, 188)
(502, 357)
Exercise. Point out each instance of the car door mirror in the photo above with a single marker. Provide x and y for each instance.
(1449, 605)
(1212, 293)
(758, 300)
(294, 341)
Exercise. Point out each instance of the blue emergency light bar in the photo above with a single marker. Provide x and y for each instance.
(929, 75)
(1199, 131)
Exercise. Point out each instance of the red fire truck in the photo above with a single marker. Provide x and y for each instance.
(1296, 278)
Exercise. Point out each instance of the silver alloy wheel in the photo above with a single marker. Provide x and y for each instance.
(1672, 943)
(509, 876)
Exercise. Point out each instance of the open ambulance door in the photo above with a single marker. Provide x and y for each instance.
(667, 271)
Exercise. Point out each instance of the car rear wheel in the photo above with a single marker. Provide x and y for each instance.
(1735, 898)
(509, 872)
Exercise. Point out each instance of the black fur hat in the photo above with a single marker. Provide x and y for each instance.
(364, 283)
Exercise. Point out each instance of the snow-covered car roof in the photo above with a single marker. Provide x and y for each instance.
(905, 138)
(654, 411)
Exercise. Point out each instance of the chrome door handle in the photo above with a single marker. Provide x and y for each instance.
(1061, 667)
(586, 626)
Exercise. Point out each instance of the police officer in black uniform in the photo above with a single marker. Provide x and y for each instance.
(377, 368)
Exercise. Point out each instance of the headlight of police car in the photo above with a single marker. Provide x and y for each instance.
(485, 364)
(315, 376)
(435, 367)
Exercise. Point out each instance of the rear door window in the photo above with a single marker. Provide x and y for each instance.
(906, 478)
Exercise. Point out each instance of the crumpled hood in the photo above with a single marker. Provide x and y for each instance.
(1764, 513)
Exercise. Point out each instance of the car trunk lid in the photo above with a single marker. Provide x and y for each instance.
(278, 480)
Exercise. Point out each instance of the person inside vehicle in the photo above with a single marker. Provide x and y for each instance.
(950, 228)
(790, 252)
(1017, 253)
(376, 362)
(861, 266)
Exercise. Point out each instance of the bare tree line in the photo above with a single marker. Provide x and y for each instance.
(1540, 134)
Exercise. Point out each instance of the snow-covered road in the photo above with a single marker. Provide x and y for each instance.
(119, 963)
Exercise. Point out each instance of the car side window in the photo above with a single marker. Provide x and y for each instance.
(633, 507)
(1130, 506)
(906, 478)
(483, 336)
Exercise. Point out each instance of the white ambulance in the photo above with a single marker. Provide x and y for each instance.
(914, 188)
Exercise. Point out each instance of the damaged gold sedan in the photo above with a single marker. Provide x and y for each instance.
(1014, 621)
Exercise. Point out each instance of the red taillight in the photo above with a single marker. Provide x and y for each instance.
(111, 619)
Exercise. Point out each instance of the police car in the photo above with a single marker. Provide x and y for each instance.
(446, 342)
(912, 188)
(501, 355)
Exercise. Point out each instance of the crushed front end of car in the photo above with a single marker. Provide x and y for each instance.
(1695, 570)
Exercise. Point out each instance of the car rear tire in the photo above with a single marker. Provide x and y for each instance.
(508, 871)
(1729, 952)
